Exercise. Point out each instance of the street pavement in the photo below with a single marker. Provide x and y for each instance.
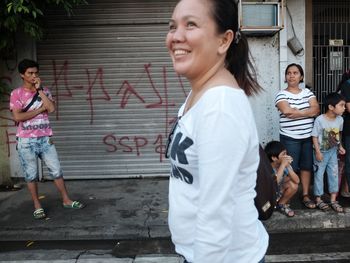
(131, 213)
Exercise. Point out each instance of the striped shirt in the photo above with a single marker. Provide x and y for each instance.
(299, 128)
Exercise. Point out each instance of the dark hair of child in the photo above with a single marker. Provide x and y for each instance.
(332, 99)
(273, 149)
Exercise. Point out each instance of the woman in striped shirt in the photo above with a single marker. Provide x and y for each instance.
(298, 106)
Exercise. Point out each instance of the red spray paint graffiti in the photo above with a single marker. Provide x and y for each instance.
(99, 76)
(96, 90)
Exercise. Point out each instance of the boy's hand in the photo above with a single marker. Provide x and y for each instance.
(342, 150)
(37, 83)
(286, 160)
(42, 108)
(319, 156)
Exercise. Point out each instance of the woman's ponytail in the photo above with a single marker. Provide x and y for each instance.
(239, 64)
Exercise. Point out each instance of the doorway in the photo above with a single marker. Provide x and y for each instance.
(331, 44)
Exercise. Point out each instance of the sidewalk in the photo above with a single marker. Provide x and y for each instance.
(124, 209)
(115, 209)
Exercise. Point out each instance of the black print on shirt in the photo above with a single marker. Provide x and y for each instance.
(36, 127)
(178, 152)
(182, 174)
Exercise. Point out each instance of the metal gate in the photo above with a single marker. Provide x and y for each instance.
(115, 88)
(331, 44)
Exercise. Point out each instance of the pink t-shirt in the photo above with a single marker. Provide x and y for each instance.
(39, 125)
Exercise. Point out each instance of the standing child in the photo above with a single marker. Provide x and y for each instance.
(287, 179)
(326, 135)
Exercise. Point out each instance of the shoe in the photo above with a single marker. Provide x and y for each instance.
(74, 205)
(344, 194)
(39, 213)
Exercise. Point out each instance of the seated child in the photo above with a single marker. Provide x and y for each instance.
(287, 179)
(326, 135)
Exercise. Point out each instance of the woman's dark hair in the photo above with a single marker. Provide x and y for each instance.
(345, 77)
(300, 68)
(25, 64)
(238, 62)
(273, 149)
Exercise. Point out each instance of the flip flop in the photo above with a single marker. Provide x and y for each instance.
(74, 205)
(39, 213)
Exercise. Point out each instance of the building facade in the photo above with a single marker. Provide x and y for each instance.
(117, 95)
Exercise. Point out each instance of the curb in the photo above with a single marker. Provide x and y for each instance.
(308, 220)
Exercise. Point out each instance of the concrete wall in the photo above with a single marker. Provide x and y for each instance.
(297, 10)
(269, 53)
(266, 55)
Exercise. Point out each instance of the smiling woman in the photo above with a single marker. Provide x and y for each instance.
(214, 147)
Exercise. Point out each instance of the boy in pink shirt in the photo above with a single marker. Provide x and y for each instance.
(30, 105)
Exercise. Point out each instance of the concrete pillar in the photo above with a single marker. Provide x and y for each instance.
(9, 163)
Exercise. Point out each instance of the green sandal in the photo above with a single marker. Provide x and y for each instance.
(39, 213)
(74, 205)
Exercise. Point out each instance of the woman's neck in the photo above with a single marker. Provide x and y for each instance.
(200, 82)
(293, 89)
(214, 77)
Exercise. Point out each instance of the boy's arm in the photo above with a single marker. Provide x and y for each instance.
(293, 176)
(318, 153)
(280, 171)
(18, 115)
(48, 104)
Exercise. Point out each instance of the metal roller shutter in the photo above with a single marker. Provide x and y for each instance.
(115, 90)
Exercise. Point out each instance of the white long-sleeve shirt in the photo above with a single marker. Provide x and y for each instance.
(214, 158)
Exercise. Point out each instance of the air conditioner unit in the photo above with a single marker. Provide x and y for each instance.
(261, 18)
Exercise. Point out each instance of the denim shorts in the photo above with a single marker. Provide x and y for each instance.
(301, 151)
(30, 149)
